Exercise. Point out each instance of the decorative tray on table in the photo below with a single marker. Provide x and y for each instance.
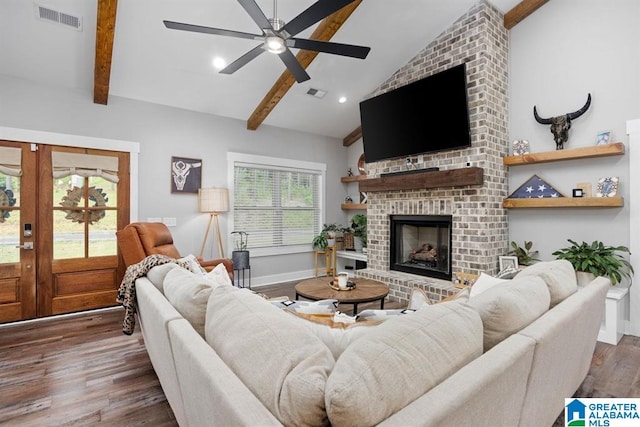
(350, 286)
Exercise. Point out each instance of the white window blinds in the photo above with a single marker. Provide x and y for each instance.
(11, 161)
(277, 206)
(85, 165)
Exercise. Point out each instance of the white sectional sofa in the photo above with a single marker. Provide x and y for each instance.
(500, 358)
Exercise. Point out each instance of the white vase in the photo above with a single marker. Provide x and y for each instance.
(584, 278)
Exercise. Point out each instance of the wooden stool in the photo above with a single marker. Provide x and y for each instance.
(329, 260)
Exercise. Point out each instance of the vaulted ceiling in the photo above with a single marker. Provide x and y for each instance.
(123, 49)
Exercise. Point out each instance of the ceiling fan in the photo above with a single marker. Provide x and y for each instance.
(277, 37)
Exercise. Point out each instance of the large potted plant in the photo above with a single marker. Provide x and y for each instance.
(598, 259)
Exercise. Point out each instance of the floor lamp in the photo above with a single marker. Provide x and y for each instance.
(213, 201)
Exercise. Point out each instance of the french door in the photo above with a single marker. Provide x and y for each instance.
(58, 217)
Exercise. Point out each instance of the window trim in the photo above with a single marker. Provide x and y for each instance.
(274, 162)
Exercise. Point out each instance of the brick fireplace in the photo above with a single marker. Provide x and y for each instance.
(479, 226)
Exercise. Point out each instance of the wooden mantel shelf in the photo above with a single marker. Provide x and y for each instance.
(614, 149)
(428, 179)
(565, 202)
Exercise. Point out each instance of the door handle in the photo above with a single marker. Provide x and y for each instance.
(27, 245)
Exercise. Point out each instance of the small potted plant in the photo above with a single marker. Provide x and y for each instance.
(320, 242)
(240, 254)
(598, 259)
(359, 227)
(524, 253)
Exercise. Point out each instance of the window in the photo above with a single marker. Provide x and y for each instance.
(278, 202)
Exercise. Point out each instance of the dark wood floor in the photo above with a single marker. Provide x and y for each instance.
(82, 370)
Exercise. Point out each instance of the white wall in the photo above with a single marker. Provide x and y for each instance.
(164, 132)
(560, 53)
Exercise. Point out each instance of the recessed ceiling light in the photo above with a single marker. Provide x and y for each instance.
(342, 99)
(219, 63)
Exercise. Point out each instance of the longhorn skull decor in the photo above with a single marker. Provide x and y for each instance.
(560, 125)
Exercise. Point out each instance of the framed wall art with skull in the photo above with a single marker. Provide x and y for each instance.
(186, 175)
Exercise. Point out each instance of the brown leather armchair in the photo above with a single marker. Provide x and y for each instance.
(138, 240)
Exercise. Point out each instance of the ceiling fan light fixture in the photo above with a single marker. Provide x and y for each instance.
(274, 44)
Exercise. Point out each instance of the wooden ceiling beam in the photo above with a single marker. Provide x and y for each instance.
(511, 19)
(355, 135)
(105, 31)
(521, 11)
(324, 32)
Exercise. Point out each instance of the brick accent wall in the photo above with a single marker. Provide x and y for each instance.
(480, 227)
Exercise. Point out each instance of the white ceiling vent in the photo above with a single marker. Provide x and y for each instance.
(317, 93)
(58, 17)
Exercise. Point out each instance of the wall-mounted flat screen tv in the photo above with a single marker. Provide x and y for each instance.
(425, 116)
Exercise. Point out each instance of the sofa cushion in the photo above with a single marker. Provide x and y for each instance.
(158, 273)
(189, 294)
(483, 283)
(399, 361)
(508, 307)
(559, 276)
(337, 336)
(283, 363)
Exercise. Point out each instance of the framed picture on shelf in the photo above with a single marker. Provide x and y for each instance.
(508, 261)
(186, 175)
(607, 187)
(604, 137)
(520, 147)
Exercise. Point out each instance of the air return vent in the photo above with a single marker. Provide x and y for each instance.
(317, 93)
(48, 14)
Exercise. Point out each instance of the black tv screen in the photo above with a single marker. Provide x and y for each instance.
(425, 116)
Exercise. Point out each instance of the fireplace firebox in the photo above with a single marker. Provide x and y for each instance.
(421, 244)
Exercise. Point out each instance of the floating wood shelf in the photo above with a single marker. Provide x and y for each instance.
(353, 206)
(353, 178)
(614, 149)
(565, 202)
(428, 179)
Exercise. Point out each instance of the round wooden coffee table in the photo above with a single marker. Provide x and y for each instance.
(366, 290)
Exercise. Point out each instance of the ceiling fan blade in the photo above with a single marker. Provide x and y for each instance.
(243, 60)
(330, 47)
(256, 13)
(209, 30)
(294, 66)
(314, 13)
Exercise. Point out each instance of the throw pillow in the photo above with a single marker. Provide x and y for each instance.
(460, 296)
(418, 299)
(559, 276)
(373, 315)
(283, 364)
(508, 307)
(191, 263)
(158, 273)
(189, 294)
(508, 273)
(326, 306)
(400, 360)
(219, 275)
(483, 283)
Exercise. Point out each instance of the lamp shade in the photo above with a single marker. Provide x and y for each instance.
(213, 199)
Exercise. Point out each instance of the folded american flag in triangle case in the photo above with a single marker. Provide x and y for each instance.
(535, 188)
